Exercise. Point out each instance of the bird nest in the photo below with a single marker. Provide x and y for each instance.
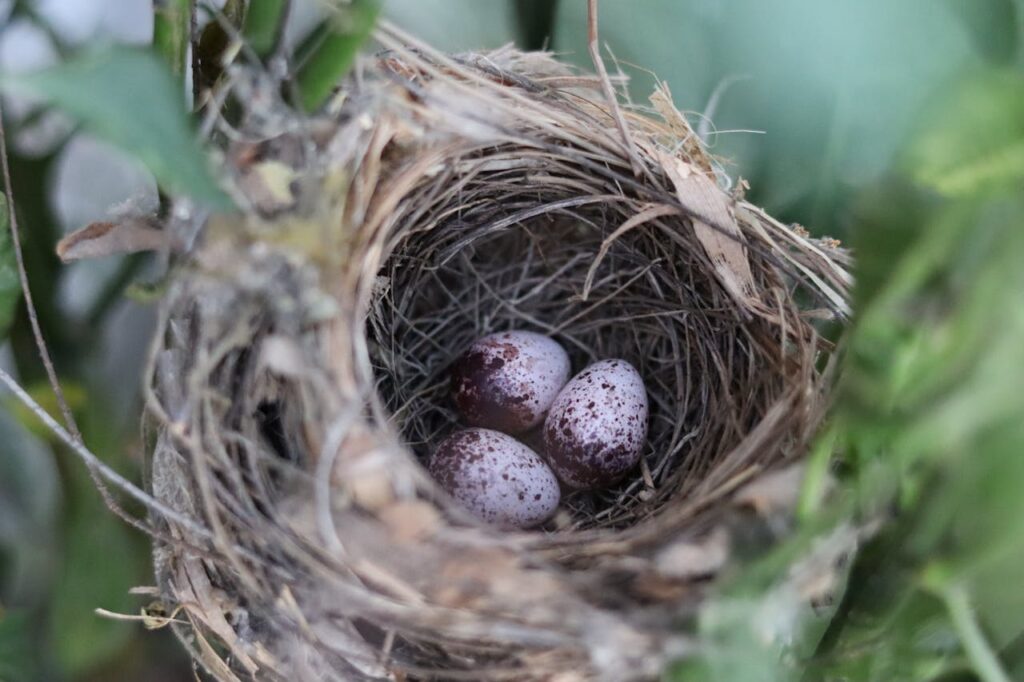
(299, 378)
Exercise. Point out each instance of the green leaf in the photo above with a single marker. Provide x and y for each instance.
(10, 288)
(92, 578)
(335, 50)
(29, 504)
(128, 97)
(42, 393)
(929, 416)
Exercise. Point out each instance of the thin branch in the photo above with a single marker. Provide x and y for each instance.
(96, 465)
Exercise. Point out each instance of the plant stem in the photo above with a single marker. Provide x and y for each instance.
(984, 660)
(264, 21)
(347, 30)
(172, 32)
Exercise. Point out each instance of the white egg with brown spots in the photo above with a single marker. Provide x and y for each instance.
(597, 427)
(508, 381)
(496, 477)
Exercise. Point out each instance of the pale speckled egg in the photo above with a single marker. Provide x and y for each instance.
(597, 426)
(507, 381)
(496, 477)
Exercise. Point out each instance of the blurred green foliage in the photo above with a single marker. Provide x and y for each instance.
(10, 288)
(973, 136)
(899, 126)
(29, 504)
(928, 433)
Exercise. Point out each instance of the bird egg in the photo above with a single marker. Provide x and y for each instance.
(507, 381)
(597, 426)
(496, 477)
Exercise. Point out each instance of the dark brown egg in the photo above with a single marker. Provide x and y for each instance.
(507, 381)
(597, 426)
(496, 477)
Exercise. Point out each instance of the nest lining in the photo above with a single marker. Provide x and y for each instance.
(299, 378)
(710, 375)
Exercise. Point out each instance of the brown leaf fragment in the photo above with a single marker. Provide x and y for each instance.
(282, 356)
(685, 560)
(269, 186)
(411, 520)
(101, 239)
(661, 100)
(205, 603)
(775, 492)
(715, 227)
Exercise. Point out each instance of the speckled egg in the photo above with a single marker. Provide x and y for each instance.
(597, 427)
(496, 477)
(507, 381)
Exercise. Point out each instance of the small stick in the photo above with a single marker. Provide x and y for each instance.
(606, 87)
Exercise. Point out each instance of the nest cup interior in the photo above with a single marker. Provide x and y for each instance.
(532, 247)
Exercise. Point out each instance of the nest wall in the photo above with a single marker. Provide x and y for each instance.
(299, 378)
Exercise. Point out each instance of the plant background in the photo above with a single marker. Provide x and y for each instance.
(897, 126)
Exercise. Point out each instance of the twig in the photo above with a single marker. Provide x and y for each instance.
(606, 87)
(37, 333)
(96, 465)
(33, 319)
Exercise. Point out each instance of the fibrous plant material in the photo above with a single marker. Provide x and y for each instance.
(300, 375)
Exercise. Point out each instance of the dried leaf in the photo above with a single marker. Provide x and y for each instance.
(98, 240)
(776, 492)
(269, 186)
(411, 520)
(694, 559)
(282, 356)
(661, 100)
(202, 603)
(727, 251)
(156, 616)
(211, 659)
(367, 479)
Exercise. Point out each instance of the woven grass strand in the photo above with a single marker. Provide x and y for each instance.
(299, 376)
